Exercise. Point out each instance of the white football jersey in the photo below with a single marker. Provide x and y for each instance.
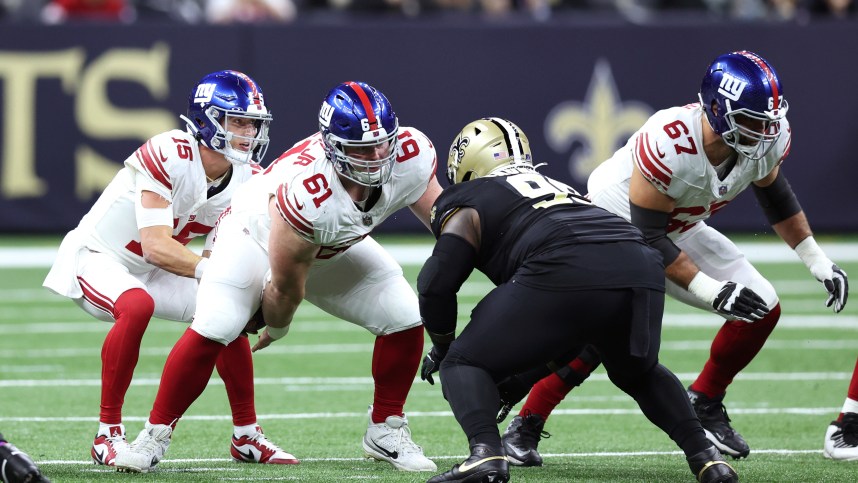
(668, 151)
(314, 202)
(169, 165)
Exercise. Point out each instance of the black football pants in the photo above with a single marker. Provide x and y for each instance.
(515, 328)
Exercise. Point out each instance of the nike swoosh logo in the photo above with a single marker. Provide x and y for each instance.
(467, 467)
(297, 205)
(660, 154)
(515, 450)
(249, 456)
(392, 454)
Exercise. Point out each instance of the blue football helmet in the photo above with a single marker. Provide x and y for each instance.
(744, 102)
(359, 130)
(216, 101)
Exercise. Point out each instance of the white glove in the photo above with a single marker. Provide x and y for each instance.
(730, 299)
(833, 278)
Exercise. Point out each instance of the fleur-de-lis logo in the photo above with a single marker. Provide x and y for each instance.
(591, 131)
(457, 151)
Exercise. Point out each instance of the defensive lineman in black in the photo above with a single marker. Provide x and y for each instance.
(567, 274)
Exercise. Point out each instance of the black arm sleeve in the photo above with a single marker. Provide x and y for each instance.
(441, 277)
(653, 224)
(777, 200)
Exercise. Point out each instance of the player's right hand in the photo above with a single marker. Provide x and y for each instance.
(511, 391)
(738, 302)
(431, 364)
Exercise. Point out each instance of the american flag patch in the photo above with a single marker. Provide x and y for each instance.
(501, 155)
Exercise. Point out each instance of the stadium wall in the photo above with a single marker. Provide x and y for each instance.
(76, 100)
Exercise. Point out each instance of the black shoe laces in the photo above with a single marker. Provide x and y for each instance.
(530, 430)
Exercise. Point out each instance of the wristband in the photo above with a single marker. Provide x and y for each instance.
(277, 332)
(704, 287)
(809, 252)
(200, 268)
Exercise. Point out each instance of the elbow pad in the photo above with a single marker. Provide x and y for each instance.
(777, 200)
(441, 277)
(653, 225)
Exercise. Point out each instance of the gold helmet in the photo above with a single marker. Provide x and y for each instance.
(486, 145)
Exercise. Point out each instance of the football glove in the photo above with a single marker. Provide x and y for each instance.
(511, 391)
(833, 278)
(431, 363)
(736, 301)
(838, 288)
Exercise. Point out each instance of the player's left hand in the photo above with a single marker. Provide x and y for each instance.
(833, 278)
(431, 363)
(837, 286)
(264, 341)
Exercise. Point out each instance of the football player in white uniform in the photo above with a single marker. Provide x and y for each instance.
(127, 260)
(682, 166)
(301, 230)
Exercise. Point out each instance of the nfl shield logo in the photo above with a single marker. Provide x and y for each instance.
(367, 219)
(722, 190)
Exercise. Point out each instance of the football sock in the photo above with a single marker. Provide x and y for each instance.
(121, 349)
(474, 400)
(395, 360)
(548, 392)
(186, 373)
(247, 430)
(235, 367)
(851, 403)
(665, 403)
(734, 347)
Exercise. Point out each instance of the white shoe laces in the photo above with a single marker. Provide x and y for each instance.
(150, 446)
(404, 441)
(262, 440)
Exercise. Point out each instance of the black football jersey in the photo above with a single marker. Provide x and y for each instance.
(536, 231)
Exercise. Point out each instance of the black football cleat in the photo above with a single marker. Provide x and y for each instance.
(716, 423)
(17, 467)
(521, 439)
(485, 465)
(708, 466)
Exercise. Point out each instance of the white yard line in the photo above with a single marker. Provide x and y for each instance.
(367, 382)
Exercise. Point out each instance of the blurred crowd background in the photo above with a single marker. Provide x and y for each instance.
(54, 12)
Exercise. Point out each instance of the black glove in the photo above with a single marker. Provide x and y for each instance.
(736, 301)
(838, 289)
(432, 362)
(511, 391)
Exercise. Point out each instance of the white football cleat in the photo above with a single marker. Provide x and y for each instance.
(256, 448)
(391, 441)
(146, 451)
(841, 439)
(109, 441)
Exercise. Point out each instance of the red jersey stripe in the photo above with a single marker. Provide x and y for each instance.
(288, 213)
(647, 166)
(154, 165)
